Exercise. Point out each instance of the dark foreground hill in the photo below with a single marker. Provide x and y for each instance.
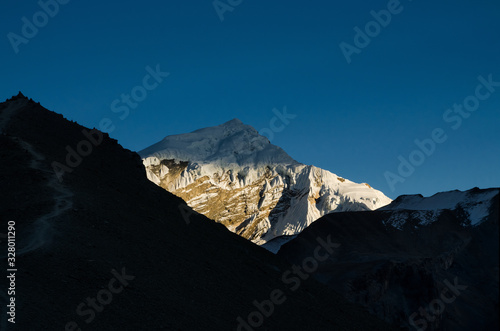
(106, 249)
(412, 265)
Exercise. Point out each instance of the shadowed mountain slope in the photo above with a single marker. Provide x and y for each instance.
(415, 264)
(185, 272)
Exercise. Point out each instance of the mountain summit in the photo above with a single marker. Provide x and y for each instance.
(230, 143)
(235, 176)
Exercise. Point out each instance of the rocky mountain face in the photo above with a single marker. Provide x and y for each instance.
(235, 176)
(420, 263)
(106, 249)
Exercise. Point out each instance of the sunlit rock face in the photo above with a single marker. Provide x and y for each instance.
(236, 177)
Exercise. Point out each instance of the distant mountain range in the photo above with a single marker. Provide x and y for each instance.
(395, 258)
(236, 177)
(99, 246)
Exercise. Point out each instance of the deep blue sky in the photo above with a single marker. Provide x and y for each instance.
(352, 119)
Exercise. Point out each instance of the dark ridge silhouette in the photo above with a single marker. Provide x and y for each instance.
(195, 276)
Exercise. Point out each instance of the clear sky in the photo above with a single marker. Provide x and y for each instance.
(354, 119)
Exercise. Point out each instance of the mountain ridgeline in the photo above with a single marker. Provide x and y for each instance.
(420, 263)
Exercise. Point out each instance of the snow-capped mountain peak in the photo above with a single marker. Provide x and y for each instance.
(234, 175)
